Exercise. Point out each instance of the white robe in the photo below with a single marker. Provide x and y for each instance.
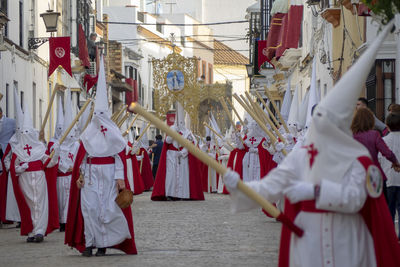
(251, 160)
(177, 172)
(105, 223)
(211, 150)
(12, 211)
(338, 238)
(64, 182)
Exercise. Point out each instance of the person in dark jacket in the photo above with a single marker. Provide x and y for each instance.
(156, 152)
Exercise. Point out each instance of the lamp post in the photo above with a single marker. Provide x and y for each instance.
(50, 19)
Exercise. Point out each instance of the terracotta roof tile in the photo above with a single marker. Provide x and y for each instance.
(223, 54)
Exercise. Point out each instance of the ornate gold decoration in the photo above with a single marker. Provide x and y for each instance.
(195, 97)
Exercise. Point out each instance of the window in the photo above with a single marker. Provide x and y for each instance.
(22, 100)
(380, 86)
(210, 76)
(159, 27)
(140, 16)
(129, 72)
(40, 112)
(319, 89)
(183, 41)
(34, 104)
(21, 23)
(203, 71)
(7, 98)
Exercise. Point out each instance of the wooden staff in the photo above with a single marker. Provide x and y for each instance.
(235, 111)
(212, 163)
(263, 127)
(230, 119)
(262, 113)
(130, 125)
(267, 108)
(217, 134)
(72, 124)
(115, 119)
(123, 119)
(89, 118)
(144, 131)
(276, 110)
(46, 116)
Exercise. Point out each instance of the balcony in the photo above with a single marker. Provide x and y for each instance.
(331, 12)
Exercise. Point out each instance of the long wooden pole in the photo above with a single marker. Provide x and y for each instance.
(235, 111)
(124, 118)
(72, 124)
(89, 118)
(144, 131)
(276, 110)
(267, 108)
(130, 125)
(217, 134)
(206, 159)
(115, 119)
(46, 115)
(225, 107)
(262, 113)
(263, 127)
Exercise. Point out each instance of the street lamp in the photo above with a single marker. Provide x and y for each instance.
(50, 19)
(250, 70)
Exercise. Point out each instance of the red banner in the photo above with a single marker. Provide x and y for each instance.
(60, 54)
(170, 119)
(89, 82)
(83, 50)
(262, 53)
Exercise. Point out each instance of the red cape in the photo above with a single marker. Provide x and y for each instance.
(138, 185)
(74, 229)
(3, 186)
(51, 178)
(147, 174)
(377, 218)
(195, 187)
(25, 212)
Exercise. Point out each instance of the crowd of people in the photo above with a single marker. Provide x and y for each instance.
(338, 179)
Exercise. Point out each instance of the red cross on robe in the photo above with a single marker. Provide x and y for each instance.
(252, 140)
(312, 152)
(103, 130)
(28, 149)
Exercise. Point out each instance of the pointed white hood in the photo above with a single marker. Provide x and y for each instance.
(72, 135)
(302, 117)
(329, 138)
(28, 148)
(144, 141)
(293, 118)
(313, 96)
(102, 137)
(19, 121)
(287, 101)
(19, 115)
(59, 129)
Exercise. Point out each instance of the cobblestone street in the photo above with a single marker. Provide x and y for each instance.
(181, 233)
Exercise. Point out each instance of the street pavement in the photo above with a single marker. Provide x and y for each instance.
(173, 233)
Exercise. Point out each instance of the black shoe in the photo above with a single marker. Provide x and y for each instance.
(39, 238)
(101, 252)
(18, 225)
(30, 239)
(62, 227)
(87, 252)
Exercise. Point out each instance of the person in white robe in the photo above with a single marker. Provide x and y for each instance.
(326, 172)
(30, 158)
(68, 151)
(177, 166)
(102, 169)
